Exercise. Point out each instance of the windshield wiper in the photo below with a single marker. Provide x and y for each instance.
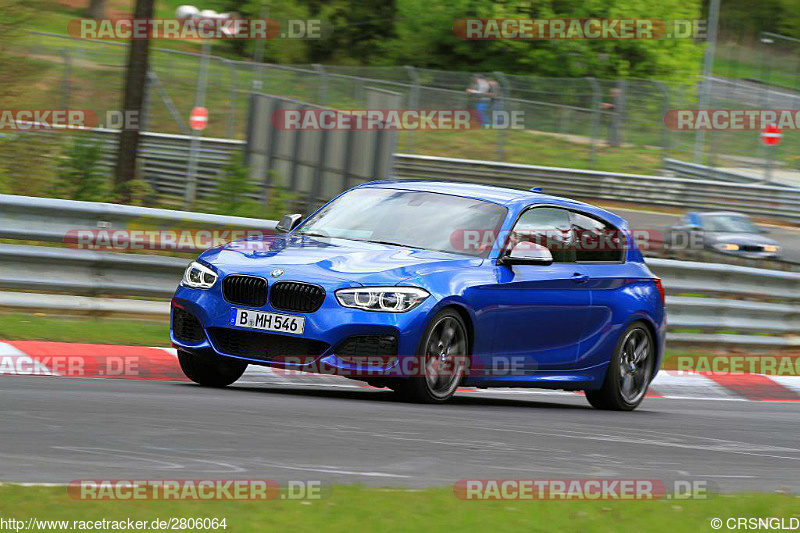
(395, 244)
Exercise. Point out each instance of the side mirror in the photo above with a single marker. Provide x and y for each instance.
(288, 223)
(527, 253)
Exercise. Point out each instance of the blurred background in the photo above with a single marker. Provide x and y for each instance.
(588, 104)
(594, 129)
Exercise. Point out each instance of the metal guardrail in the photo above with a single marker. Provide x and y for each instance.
(712, 305)
(686, 169)
(165, 160)
(775, 202)
(49, 220)
(716, 305)
(765, 313)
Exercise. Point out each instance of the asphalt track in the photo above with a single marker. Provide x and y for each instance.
(55, 430)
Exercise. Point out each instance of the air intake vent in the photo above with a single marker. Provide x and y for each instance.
(295, 296)
(368, 345)
(186, 327)
(264, 346)
(245, 290)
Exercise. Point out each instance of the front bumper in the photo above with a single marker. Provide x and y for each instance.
(331, 325)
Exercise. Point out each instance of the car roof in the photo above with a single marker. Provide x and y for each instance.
(511, 198)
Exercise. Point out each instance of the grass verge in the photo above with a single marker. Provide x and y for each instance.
(356, 508)
(18, 326)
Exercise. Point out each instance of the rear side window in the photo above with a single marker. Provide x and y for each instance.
(550, 227)
(595, 240)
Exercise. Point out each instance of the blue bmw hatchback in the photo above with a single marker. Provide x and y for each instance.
(423, 287)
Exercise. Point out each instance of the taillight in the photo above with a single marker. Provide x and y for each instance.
(660, 288)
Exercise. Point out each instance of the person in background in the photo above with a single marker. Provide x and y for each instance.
(480, 91)
(495, 99)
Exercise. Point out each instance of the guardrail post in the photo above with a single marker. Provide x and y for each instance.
(322, 88)
(202, 79)
(154, 81)
(664, 109)
(597, 102)
(615, 136)
(230, 120)
(505, 93)
(319, 173)
(66, 79)
(413, 102)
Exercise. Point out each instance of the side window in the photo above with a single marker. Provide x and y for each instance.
(596, 241)
(550, 227)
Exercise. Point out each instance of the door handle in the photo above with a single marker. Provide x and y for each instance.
(577, 277)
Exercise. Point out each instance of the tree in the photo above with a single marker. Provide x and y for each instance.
(97, 9)
(138, 59)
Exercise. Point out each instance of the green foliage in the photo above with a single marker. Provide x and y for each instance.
(27, 161)
(15, 71)
(425, 38)
(420, 33)
(138, 191)
(274, 50)
(279, 203)
(236, 194)
(80, 174)
(5, 188)
(742, 20)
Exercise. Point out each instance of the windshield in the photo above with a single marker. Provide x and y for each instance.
(429, 221)
(730, 224)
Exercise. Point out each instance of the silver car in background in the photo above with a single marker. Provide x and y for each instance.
(726, 232)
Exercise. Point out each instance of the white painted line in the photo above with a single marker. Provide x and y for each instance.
(676, 384)
(17, 363)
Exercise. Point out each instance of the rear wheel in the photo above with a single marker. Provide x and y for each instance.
(442, 359)
(211, 372)
(629, 371)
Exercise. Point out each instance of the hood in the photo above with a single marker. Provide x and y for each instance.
(335, 261)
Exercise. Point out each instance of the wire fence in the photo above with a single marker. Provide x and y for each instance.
(575, 120)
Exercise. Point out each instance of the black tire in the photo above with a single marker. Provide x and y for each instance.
(422, 389)
(615, 396)
(211, 372)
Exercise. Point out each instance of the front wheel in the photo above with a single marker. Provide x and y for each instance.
(442, 357)
(629, 371)
(211, 372)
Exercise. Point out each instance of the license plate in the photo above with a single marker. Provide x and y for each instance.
(247, 318)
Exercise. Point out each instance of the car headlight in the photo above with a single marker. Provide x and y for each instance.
(771, 248)
(727, 247)
(385, 299)
(199, 276)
